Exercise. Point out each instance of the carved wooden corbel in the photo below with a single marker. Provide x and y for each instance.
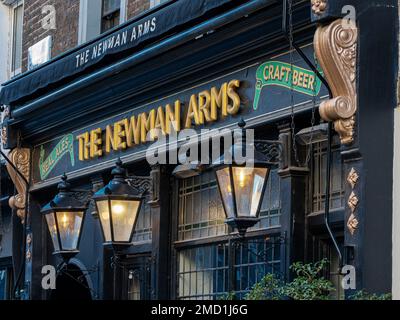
(336, 50)
(20, 157)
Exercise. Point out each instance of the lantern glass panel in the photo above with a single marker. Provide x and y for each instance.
(104, 214)
(249, 185)
(69, 225)
(124, 214)
(224, 181)
(51, 223)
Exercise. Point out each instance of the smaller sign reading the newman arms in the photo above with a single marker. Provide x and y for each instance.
(256, 91)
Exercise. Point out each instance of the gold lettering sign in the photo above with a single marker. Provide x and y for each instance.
(204, 107)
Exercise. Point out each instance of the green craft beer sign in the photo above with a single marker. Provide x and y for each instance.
(279, 73)
(64, 146)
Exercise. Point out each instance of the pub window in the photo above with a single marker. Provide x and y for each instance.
(253, 260)
(5, 282)
(134, 285)
(200, 209)
(202, 270)
(110, 15)
(201, 213)
(143, 229)
(319, 180)
(137, 277)
(17, 29)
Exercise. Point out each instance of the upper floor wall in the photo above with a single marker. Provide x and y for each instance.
(73, 22)
(5, 36)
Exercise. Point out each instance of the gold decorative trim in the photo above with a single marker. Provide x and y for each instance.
(318, 7)
(20, 157)
(28, 255)
(29, 239)
(336, 50)
(353, 202)
(352, 224)
(352, 178)
(4, 137)
(6, 112)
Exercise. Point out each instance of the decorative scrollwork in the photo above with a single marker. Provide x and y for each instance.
(141, 184)
(272, 150)
(352, 224)
(353, 202)
(4, 136)
(352, 178)
(20, 157)
(28, 255)
(336, 50)
(83, 196)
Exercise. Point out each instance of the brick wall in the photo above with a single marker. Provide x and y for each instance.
(136, 7)
(64, 37)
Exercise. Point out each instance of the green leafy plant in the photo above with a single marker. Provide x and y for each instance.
(228, 296)
(364, 295)
(309, 284)
(269, 288)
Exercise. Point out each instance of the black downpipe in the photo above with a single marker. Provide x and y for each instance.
(18, 279)
(329, 147)
(328, 193)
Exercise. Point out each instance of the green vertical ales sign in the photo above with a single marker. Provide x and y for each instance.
(277, 73)
(64, 146)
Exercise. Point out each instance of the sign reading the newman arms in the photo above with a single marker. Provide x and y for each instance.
(255, 91)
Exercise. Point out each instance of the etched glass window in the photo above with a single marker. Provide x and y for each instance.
(319, 178)
(203, 272)
(201, 213)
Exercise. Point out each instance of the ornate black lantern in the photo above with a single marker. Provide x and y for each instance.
(118, 205)
(65, 216)
(242, 185)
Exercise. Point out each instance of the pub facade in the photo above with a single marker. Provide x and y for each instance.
(313, 78)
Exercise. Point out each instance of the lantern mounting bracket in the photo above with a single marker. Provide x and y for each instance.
(271, 149)
(84, 196)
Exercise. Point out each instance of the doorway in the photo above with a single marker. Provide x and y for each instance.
(71, 284)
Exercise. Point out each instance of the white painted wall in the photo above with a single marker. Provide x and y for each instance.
(396, 198)
(396, 209)
(5, 42)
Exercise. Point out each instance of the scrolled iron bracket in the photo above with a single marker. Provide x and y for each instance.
(271, 149)
(142, 184)
(84, 196)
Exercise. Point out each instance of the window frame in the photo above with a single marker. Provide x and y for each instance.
(155, 3)
(178, 245)
(6, 264)
(111, 12)
(14, 72)
(103, 16)
(311, 188)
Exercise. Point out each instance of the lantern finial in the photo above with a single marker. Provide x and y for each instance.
(119, 171)
(64, 185)
(241, 123)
